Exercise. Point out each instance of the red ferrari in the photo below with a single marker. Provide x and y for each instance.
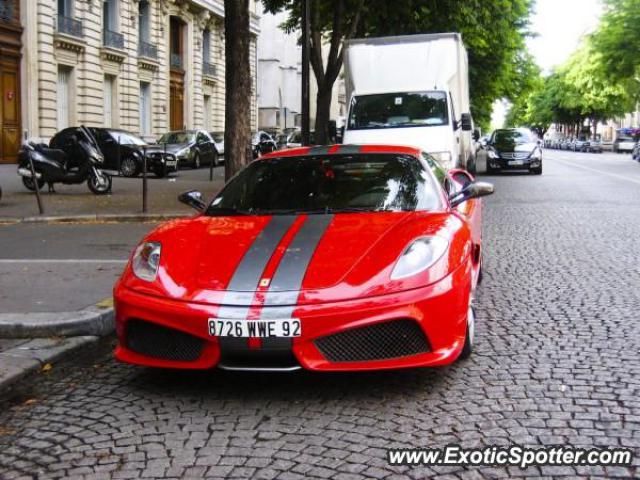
(344, 257)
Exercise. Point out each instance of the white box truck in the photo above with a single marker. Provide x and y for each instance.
(411, 90)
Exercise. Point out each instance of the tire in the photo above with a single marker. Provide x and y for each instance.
(537, 171)
(98, 188)
(196, 161)
(469, 339)
(129, 167)
(491, 170)
(30, 184)
(215, 159)
(480, 272)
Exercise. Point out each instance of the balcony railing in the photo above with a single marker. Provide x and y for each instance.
(69, 26)
(148, 50)
(209, 69)
(176, 60)
(113, 39)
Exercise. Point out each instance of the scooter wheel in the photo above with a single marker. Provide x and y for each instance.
(101, 184)
(30, 184)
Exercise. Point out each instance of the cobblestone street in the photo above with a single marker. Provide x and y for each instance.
(557, 361)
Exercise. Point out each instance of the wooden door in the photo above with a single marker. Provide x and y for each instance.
(9, 110)
(176, 104)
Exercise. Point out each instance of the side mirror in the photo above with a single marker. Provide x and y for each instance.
(472, 190)
(476, 135)
(193, 198)
(465, 122)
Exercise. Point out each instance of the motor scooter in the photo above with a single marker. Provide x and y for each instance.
(79, 163)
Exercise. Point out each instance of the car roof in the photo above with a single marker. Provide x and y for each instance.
(341, 149)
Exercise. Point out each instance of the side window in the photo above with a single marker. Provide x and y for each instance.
(441, 175)
(264, 137)
(201, 137)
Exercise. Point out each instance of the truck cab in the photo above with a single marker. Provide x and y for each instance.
(411, 90)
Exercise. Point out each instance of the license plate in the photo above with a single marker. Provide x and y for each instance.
(171, 163)
(220, 327)
(515, 162)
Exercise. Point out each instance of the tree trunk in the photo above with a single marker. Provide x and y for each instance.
(323, 115)
(237, 115)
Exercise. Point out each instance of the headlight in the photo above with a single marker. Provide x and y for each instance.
(443, 158)
(493, 154)
(183, 153)
(97, 158)
(146, 260)
(419, 256)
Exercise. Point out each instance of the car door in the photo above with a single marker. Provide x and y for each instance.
(108, 145)
(205, 147)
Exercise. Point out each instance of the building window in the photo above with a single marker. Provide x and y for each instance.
(145, 108)
(65, 8)
(110, 25)
(206, 46)
(7, 10)
(110, 101)
(64, 97)
(207, 113)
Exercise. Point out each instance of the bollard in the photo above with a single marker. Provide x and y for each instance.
(119, 157)
(144, 179)
(211, 170)
(164, 161)
(36, 184)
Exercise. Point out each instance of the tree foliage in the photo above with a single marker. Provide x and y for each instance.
(494, 33)
(578, 90)
(618, 39)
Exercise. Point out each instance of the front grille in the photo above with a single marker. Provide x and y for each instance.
(514, 155)
(157, 341)
(380, 341)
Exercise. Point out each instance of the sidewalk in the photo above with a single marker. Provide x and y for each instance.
(126, 197)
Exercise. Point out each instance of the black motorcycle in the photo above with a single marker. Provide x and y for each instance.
(79, 161)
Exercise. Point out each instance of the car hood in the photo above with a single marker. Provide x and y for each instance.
(514, 147)
(299, 259)
(171, 147)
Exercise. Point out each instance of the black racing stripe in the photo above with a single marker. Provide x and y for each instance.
(244, 282)
(287, 281)
(319, 150)
(349, 149)
(249, 271)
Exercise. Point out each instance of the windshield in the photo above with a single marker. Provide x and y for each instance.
(178, 137)
(390, 110)
(126, 138)
(512, 136)
(328, 184)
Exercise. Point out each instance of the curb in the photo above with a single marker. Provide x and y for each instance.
(23, 360)
(96, 218)
(92, 321)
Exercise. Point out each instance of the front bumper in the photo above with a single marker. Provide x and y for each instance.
(439, 311)
(521, 164)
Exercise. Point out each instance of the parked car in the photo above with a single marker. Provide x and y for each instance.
(295, 139)
(218, 142)
(636, 152)
(191, 147)
(513, 149)
(281, 140)
(262, 143)
(625, 141)
(595, 146)
(414, 238)
(580, 145)
(123, 151)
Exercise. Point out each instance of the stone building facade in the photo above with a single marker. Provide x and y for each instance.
(147, 66)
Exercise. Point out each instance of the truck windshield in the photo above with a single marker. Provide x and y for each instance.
(393, 110)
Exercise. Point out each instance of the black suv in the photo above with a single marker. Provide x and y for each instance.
(514, 149)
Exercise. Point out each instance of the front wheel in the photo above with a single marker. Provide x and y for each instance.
(129, 167)
(469, 340)
(31, 185)
(537, 171)
(100, 183)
